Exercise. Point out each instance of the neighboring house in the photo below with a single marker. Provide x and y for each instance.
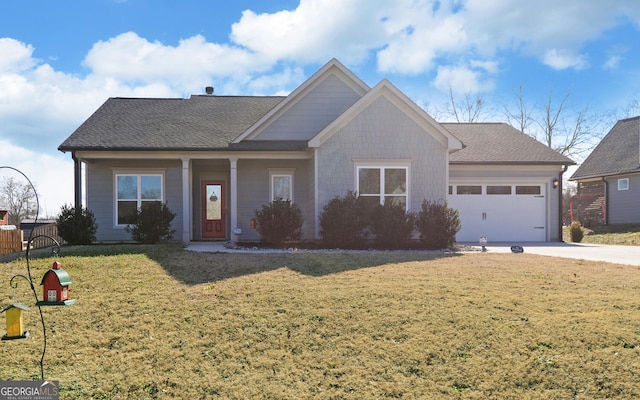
(608, 190)
(216, 159)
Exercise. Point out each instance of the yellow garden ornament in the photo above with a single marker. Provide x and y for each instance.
(15, 323)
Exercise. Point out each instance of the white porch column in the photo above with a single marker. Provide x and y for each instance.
(186, 201)
(234, 198)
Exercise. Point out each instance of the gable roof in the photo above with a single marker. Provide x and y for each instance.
(333, 67)
(61, 275)
(388, 90)
(617, 153)
(197, 123)
(500, 143)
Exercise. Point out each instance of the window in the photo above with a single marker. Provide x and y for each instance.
(132, 190)
(462, 189)
(281, 185)
(623, 184)
(498, 189)
(379, 184)
(534, 190)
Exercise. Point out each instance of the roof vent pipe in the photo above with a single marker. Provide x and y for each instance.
(209, 90)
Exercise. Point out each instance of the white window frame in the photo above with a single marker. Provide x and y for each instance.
(382, 166)
(623, 184)
(281, 173)
(138, 174)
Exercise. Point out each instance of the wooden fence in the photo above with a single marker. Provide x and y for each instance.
(15, 241)
(10, 241)
(49, 229)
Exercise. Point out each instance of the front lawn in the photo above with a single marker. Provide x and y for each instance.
(161, 322)
(626, 235)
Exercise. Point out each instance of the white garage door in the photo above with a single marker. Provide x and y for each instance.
(501, 212)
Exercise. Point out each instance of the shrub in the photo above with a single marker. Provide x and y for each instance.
(438, 225)
(152, 223)
(392, 225)
(343, 222)
(575, 232)
(76, 225)
(279, 222)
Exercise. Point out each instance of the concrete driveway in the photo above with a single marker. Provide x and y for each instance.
(628, 255)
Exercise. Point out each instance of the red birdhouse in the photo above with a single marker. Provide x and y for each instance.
(55, 287)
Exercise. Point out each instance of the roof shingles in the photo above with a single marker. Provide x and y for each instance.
(197, 123)
(618, 153)
(500, 143)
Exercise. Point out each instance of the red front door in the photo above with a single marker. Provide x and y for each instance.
(214, 222)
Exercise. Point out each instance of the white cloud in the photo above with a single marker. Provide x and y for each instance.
(560, 59)
(612, 62)
(414, 50)
(15, 56)
(52, 175)
(461, 80)
(316, 31)
(541, 28)
(189, 66)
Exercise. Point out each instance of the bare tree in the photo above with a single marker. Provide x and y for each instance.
(18, 199)
(468, 110)
(564, 130)
(633, 108)
(555, 123)
(521, 115)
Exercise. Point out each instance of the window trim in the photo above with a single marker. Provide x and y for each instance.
(273, 173)
(382, 165)
(139, 173)
(623, 186)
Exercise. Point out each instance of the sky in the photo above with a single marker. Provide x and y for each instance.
(60, 60)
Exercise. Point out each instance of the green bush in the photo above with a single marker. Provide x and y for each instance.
(575, 232)
(76, 225)
(343, 222)
(152, 223)
(279, 222)
(392, 225)
(438, 225)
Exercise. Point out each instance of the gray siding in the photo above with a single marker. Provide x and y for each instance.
(313, 112)
(254, 190)
(382, 132)
(624, 205)
(101, 193)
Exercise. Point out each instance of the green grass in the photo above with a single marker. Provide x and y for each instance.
(160, 322)
(626, 235)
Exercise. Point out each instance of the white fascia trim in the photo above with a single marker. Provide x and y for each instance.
(388, 90)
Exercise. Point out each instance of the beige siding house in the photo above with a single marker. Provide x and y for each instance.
(216, 159)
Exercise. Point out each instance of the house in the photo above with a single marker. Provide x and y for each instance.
(608, 181)
(216, 159)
